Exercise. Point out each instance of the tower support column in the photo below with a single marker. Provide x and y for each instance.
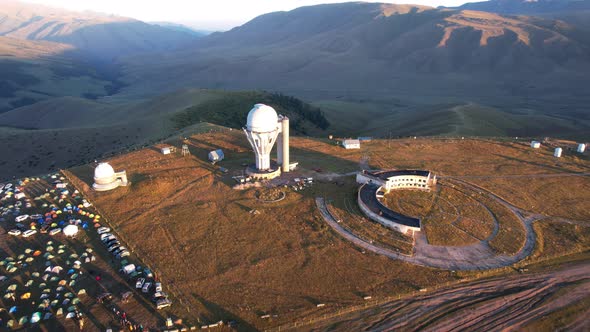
(285, 141)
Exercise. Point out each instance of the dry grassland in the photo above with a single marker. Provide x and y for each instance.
(222, 262)
(559, 238)
(511, 233)
(562, 197)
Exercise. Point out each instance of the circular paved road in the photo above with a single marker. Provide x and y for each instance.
(478, 256)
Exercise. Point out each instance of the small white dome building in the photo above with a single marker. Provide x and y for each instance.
(262, 119)
(105, 178)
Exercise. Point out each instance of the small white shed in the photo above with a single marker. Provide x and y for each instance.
(535, 144)
(216, 156)
(166, 150)
(557, 152)
(351, 144)
(581, 148)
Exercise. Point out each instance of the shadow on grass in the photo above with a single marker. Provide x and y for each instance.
(546, 166)
(219, 311)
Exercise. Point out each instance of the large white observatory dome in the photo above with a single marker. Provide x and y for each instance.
(104, 171)
(262, 119)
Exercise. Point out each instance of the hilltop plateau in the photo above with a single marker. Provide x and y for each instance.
(284, 260)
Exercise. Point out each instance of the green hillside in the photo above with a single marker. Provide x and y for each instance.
(233, 108)
(396, 118)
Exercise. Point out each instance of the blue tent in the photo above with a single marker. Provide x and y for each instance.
(13, 309)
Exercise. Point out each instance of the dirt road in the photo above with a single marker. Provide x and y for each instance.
(508, 303)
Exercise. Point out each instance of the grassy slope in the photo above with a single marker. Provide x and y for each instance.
(67, 131)
(395, 118)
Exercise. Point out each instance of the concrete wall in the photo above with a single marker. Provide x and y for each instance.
(364, 179)
(384, 221)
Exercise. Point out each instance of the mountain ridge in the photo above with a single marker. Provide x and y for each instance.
(93, 34)
(324, 47)
(527, 7)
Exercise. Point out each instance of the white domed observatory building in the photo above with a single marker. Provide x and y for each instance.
(263, 127)
(105, 178)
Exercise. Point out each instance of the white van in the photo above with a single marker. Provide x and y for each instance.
(103, 230)
(54, 231)
(29, 232)
(21, 218)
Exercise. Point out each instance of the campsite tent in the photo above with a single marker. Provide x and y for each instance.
(35, 317)
(70, 230)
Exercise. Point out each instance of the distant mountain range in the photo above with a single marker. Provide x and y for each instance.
(183, 28)
(374, 69)
(101, 36)
(47, 52)
(367, 49)
(527, 7)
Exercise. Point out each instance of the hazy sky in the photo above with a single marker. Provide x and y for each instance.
(208, 14)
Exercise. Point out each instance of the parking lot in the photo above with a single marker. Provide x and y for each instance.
(63, 268)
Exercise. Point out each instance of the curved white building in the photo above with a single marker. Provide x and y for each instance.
(263, 127)
(105, 178)
(398, 179)
(376, 184)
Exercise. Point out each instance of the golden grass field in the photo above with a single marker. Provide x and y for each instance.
(183, 218)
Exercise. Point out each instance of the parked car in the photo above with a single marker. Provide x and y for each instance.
(158, 287)
(29, 232)
(14, 232)
(108, 239)
(105, 235)
(114, 246)
(55, 231)
(148, 273)
(22, 218)
(146, 287)
(139, 283)
(118, 250)
(163, 303)
(111, 242)
(102, 230)
(122, 254)
(158, 296)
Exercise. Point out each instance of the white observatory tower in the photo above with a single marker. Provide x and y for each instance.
(262, 130)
